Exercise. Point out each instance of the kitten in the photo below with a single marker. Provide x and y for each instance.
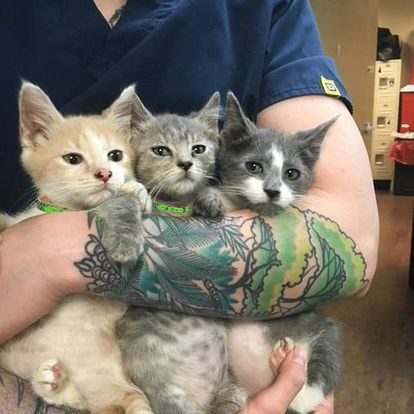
(265, 170)
(71, 356)
(262, 169)
(176, 156)
(179, 361)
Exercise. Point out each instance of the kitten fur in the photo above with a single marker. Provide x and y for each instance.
(181, 175)
(174, 349)
(71, 356)
(272, 187)
(267, 191)
(179, 361)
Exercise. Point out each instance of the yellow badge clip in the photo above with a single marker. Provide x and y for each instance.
(329, 87)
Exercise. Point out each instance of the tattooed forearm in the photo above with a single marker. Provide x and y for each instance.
(116, 16)
(256, 267)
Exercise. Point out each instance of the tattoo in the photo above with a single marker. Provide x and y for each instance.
(13, 387)
(98, 267)
(116, 16)
(288, 264)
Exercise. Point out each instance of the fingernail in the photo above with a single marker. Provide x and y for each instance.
(300, 358)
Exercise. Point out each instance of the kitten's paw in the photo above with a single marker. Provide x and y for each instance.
(266, 209)
(143, 198)
(51, 383)
(279, 353)
(208, 204)
(131, 187)
(120, 227)
(49, 378)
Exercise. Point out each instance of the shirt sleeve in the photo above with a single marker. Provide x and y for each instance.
(295, 64)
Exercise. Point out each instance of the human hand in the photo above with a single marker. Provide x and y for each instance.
(36, 267)
(289, 381)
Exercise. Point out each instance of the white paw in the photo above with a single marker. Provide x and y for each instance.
(309, 397)
(131, 187)
(280, 351)
(141, 193)
(50, 377)
(51, 383)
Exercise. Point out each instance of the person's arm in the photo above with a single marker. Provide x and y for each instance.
(343, 188)
(244, 265)
(261, 267)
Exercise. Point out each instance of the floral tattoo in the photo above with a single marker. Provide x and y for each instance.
(288, 264)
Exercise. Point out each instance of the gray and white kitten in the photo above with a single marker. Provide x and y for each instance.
(179, 361)
(266, 170)
(263, 169)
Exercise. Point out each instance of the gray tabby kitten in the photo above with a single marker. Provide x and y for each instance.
(265, 170)
(179, 361)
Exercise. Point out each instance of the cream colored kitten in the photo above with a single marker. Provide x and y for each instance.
(77, 162)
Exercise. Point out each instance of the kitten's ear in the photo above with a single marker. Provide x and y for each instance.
(209, 114)
(236, 124)
(310, 141)
(128, 111)
(37, 115)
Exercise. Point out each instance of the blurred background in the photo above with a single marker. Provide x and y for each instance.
(372, 43)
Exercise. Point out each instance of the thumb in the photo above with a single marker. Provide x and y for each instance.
(277, 398)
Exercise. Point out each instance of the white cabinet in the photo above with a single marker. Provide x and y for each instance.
(386, 105)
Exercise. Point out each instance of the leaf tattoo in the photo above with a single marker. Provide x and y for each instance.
(256, 267)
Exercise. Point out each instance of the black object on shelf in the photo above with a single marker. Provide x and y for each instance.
(388, 45)
(403, 155)
(403, 179)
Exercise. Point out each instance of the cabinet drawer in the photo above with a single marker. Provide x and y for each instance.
(382, 144)
(388, 68)
(382, 172)
(387, 105)
(381, 163)
(384, 122)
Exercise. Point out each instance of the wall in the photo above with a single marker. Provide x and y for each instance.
(348, 31)
(398, 16)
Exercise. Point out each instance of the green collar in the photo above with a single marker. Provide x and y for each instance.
(48, 207)
(172, 209)
(52, 208)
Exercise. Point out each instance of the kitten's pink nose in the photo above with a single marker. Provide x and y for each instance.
(104, 175)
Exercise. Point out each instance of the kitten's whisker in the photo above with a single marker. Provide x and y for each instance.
(31, 194)
(232, 190)
(158, 177)
(156, 189)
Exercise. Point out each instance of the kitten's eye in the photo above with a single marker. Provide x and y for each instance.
(292, 174)
(254, 167)
(73, 158)
(115, 155)
(161, 151)
(198, 149)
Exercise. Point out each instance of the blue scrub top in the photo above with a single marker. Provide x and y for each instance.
(177, 52)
